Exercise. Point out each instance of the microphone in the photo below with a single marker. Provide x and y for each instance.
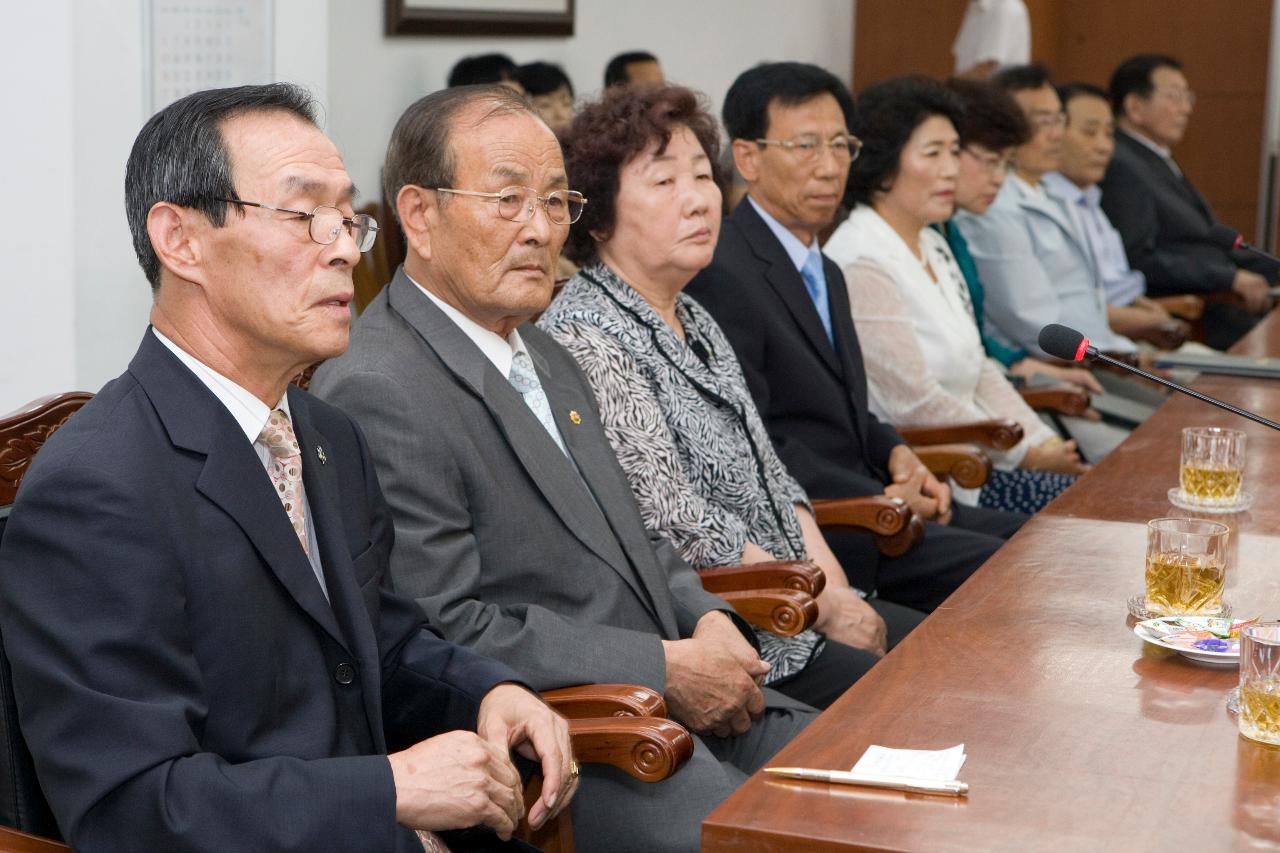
(1069, 345)
(1226, 237)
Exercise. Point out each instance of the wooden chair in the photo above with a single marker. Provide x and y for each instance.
(953, 451)
(621, 725)
(377, 265)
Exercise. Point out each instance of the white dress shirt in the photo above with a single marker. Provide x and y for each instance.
(252, 415)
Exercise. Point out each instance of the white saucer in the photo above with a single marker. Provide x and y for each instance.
(1184, 635)
(1242, 503)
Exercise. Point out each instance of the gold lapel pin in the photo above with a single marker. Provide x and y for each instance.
(575, 417)
(320, 455)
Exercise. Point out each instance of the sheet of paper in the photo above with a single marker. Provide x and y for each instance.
(942, 765)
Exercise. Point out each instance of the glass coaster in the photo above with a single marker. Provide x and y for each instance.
(1233, 700)
(1138, 609)
(1241, 504)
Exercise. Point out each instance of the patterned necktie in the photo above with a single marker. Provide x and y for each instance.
(815, 281)
(285, 469)
(525, 380)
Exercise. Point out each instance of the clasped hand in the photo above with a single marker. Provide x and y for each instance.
(461, 779)
(914, 483)
(713, 678)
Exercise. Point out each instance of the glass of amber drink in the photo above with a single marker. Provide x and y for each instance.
(1186, 566)
(1260, 682)
(1212, 465)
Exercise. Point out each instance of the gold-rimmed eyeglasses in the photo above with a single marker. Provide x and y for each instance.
(807, 146)
(326, 222)
(518, 204)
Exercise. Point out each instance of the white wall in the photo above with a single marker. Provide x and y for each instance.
(71, 290)
(702, 43)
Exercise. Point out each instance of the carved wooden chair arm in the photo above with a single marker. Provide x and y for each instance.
(1065, 400)
(606, 700)
(968, 465)
(1186, 306)
(999, 434)
(878, 514)
(785, 612)
(800, 575)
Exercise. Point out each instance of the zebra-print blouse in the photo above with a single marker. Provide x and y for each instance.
(685, 428)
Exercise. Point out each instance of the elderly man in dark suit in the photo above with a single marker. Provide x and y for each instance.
(516, 529)
(1162, 217)
(784, 307)
(206, 651)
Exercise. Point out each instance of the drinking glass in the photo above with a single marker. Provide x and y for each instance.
(1260, 682)
(1212, 468)
(1186, 566)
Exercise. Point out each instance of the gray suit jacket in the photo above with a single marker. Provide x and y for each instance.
(509, 547)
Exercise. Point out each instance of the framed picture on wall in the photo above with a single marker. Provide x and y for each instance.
(479, 17)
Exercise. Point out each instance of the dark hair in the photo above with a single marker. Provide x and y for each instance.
(181, 157)
(746, 106)
(888, 113)
(1019, 78)
(991, 117)
(610, 133)
(616, 71)
(421, 152)
(543, 78)
(1133, 77)
(485, 68)
(1078, 89)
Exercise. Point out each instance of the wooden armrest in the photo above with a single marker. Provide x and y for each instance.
(878, 514)
(904, 540)
(800, 575)
(785, 612)
(646, 748)
(606, 700)
(1066, 400)
(1186, 306)
(1000, 434)
(964, 463)
(13, 841)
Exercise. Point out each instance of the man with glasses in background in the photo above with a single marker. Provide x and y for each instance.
(784, 307)
(516, 529)
(1163, 218)
(206, 651)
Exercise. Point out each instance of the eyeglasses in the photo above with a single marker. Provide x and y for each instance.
(991, 163)
(844, 146)
(1178, 96)
(1044, 122)
(518, 204)
(326, 222)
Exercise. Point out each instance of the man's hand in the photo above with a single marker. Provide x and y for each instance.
(513, 718)
(914, 483)
(1252, 290)
(456, 780)
(1028, 367)
(844, 617)
(711, 678)
(1055, 455)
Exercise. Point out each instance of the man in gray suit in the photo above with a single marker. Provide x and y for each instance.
(516, 530)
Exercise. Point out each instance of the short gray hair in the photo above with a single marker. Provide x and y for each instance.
(421, 152)
(180, 156)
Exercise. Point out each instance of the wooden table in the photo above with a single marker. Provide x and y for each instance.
(1079, 735)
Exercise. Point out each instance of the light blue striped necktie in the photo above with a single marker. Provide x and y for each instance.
(815, 281)
(525, 380)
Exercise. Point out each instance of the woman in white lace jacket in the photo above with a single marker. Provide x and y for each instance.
(926, 365)
(671, 394)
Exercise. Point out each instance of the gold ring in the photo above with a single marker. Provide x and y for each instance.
(573, 768)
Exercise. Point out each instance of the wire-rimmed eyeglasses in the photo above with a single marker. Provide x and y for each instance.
(518, 204)
(326, 222)
(844, 146)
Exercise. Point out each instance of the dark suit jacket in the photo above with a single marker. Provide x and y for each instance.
(512, 548)
(813, 397)
(1165, 223)
(182, 682)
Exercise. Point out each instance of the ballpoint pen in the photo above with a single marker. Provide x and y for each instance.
(873, 780)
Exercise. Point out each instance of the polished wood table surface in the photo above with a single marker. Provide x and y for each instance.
(1079, 736)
